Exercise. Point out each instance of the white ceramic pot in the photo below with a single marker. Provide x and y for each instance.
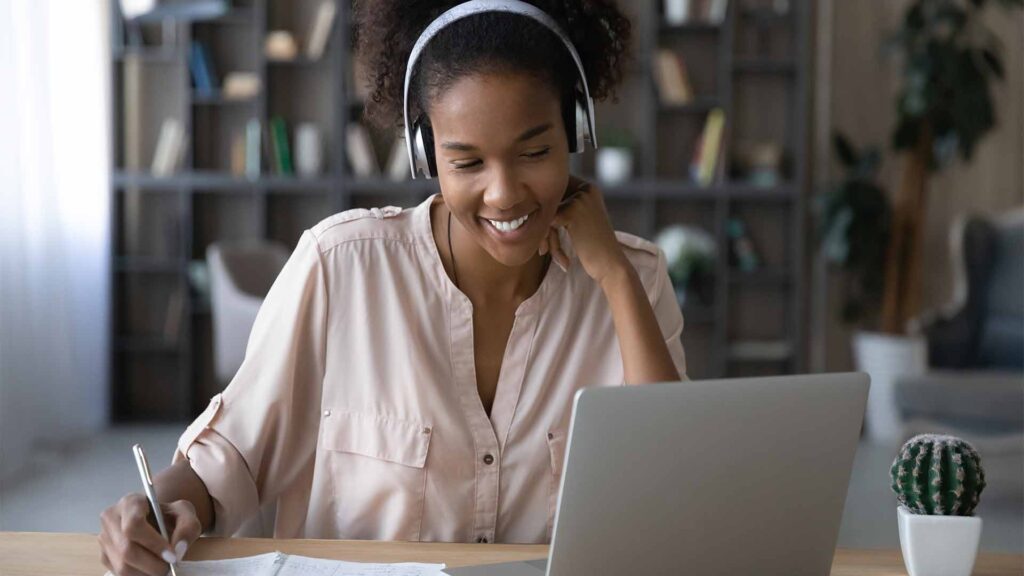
(614, 165)
(886, 358)
(938, 545)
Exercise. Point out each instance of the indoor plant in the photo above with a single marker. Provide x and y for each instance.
(938, 480)
(855, 217)
(614, 156)
(944, 106)
(690, 258)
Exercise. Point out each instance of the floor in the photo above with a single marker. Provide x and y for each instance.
(69, 488)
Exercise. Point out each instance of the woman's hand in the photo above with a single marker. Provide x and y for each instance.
(584, 216)
(130, 545)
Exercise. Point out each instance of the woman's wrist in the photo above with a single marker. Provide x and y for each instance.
(620, 276)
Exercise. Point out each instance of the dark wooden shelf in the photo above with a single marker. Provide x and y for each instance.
(129, 264)
(203, 202)
(147, 344)
(764, 66)
(689, 28)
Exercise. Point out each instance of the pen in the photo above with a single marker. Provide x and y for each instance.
(147, 484)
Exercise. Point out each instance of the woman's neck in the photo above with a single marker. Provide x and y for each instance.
(482, 278)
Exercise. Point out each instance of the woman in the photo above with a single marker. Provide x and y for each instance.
(410, 374)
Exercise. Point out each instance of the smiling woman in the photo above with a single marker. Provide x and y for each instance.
(406, 360)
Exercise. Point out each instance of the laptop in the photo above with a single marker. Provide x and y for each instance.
(732, 476)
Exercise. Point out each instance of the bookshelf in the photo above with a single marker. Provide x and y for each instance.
(752, 65)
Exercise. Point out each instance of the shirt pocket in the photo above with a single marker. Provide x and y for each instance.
(556, 454)
(378, 473)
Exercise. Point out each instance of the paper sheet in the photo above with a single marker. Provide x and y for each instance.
(281, 564)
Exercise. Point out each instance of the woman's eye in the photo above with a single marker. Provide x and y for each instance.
(464, 166)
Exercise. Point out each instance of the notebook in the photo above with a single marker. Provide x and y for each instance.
(281, 564)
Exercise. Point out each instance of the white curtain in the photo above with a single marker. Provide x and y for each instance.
(54, 224)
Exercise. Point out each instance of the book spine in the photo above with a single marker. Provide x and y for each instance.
(252, 149)
(280, 134)
(710, 146)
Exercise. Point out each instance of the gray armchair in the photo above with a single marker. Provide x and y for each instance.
(975, 382)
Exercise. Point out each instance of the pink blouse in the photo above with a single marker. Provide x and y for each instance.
(355, 414)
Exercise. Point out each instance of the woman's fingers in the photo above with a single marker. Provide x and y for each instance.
(185, 527)
(135, 525)
(556, 250)
(543, 249)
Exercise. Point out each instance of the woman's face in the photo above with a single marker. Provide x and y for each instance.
(502, 155)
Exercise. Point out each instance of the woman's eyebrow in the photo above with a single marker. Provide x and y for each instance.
(522, 138)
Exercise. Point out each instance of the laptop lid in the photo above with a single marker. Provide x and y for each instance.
(736, 476)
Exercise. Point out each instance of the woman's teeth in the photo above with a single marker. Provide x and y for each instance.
(510, 225)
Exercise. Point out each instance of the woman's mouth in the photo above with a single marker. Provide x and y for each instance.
(509, 230)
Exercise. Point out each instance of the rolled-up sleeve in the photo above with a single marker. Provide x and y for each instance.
(669, 315)
(255, 438)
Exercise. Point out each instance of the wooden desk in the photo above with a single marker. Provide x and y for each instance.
(42, 554)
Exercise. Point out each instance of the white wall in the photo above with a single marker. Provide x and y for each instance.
(54, 224)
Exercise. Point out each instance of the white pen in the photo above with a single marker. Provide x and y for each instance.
(147, 484)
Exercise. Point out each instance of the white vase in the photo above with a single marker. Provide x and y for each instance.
(308, 150)
(677, 11)
(936, 545)
(614, 165)
(887, 358)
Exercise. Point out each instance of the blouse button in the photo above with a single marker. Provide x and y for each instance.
(327, 413)
(488, 459)
(550, 436)
(426, 430)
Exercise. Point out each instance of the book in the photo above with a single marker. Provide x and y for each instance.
(172, 322)
(360, 151)
(708, 150)
(204, 76)
(321, 31)
(279, 134)
(398, 161)
(672, 78)
(169, 147)
(253, 149)
(717, 10)
(677, 11)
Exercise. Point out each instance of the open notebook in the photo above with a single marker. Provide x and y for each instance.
(280, 564)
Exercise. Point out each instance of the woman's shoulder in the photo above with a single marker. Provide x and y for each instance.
(388, 223)
(642, 253)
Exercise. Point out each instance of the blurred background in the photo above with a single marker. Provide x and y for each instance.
(836, 185)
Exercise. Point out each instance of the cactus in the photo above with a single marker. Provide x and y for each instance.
(938, 474)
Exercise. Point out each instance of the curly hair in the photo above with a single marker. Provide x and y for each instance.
(386, 31)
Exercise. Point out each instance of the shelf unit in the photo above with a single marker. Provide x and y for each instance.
(162, 225)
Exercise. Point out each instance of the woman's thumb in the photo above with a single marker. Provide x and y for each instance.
(186, 528)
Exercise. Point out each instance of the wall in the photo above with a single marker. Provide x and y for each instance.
(856, 87)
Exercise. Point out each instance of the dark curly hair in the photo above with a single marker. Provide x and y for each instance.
(490, 42)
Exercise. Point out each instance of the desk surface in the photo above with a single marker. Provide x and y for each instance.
(42, 554)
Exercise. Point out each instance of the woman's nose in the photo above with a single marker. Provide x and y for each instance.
(504, 191)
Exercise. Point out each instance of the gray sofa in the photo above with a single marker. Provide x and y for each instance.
(975, 382)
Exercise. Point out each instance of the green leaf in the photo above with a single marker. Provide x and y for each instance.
(846, 152)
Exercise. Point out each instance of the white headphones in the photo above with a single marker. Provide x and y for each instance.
(579, 124)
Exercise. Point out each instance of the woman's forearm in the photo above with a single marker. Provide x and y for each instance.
(179, 482)
(645, 357)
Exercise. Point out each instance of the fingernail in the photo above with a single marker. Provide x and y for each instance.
(560, 265)
(168, 557)
(180, 549)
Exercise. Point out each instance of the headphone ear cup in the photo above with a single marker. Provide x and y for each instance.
(423, 150)
(571, 125)
(583, 134)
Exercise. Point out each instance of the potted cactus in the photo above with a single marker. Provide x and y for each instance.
(938, 480)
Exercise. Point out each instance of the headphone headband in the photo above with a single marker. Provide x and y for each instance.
(476, 7)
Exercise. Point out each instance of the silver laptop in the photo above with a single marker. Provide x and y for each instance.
(737, 476)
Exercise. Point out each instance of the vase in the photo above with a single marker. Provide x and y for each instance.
(935, 545)
(614, 165)
(887, 358)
